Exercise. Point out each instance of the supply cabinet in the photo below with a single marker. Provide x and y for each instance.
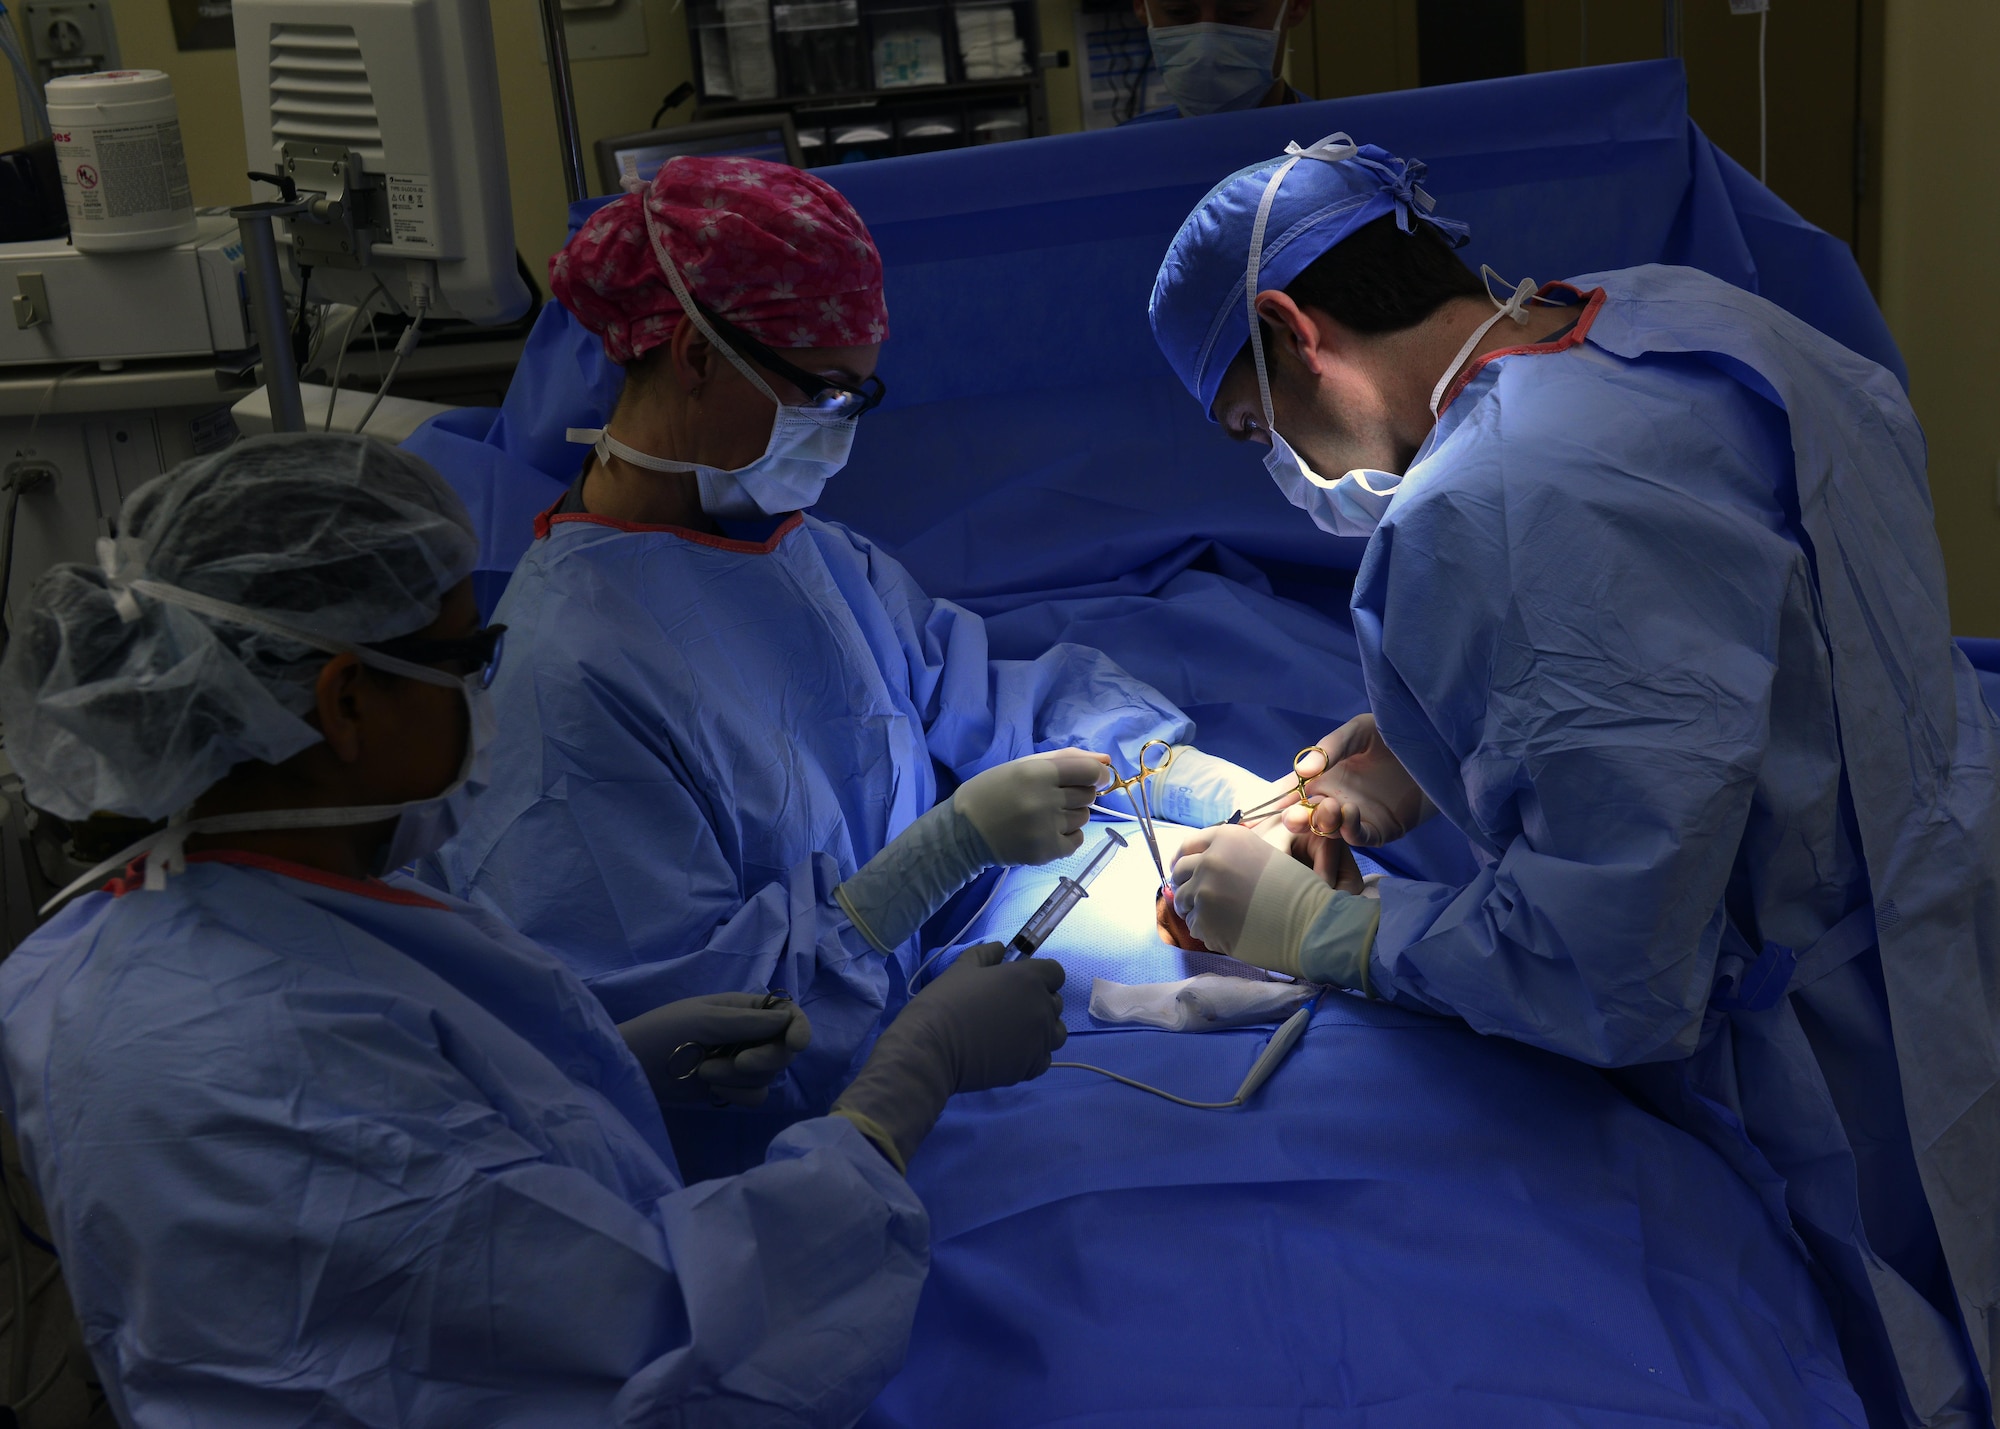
(865, 79)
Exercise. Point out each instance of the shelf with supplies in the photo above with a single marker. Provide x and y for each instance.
(867, 79)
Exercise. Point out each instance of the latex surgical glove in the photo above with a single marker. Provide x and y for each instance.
(1028, 810)
(1331, 859)
(982, 1023)
(1242, 896)
(1367, 797)
(1214, 876)
(1033, 810)
(1199, 789)
(725, 1047)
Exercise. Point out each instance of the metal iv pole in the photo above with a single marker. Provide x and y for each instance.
(569, 146)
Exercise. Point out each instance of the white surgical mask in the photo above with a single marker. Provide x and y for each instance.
(422, 825)
(1353, 504)
(806, 447)
(1208, 68)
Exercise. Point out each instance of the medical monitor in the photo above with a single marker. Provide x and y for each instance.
(748, 136)
(389, 112)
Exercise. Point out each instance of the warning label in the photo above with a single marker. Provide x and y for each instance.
(412, 217)
(123, 171)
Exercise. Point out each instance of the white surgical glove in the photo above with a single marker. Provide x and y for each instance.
(1029, 810)
(1033, 810)
(1368, 797)
(1242, 896)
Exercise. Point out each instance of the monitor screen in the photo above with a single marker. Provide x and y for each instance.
(643, 161)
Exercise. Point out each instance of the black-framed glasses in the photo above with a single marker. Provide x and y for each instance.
(460, 655)
(823, 394)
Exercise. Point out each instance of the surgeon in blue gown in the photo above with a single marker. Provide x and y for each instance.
(1653, 611)
(319, 1148)
(705, 687)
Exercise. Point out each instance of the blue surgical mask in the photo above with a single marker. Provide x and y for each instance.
(1208, 68)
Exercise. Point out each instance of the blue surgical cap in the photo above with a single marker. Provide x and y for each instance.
(1200, 318)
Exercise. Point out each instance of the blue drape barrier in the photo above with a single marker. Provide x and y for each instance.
(1410, 1225)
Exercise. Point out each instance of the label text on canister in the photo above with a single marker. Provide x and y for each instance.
(122, 170)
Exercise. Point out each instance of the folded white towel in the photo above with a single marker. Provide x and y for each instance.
(1198, 1004)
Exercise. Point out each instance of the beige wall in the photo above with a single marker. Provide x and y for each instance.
(1940, 211)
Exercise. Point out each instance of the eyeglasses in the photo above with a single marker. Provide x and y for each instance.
(460, 655)
(826, 395)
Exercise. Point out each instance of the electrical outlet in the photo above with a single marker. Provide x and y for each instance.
(70, 36)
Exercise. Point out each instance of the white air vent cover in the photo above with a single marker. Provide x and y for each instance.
(319, 89)
(410, 86)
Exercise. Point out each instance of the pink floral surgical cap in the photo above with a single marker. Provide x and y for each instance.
(774, 250)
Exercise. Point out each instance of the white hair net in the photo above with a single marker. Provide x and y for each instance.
(339, 536)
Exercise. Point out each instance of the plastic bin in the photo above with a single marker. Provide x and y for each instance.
(907, 46)
(813, 146)
(997, 125)
(822, 45)
(927, 133)
(869, 139)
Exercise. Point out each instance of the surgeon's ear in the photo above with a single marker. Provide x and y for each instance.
(1295, 330)
(338, 706)
(693, 358)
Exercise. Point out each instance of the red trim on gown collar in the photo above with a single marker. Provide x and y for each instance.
(134, 878)
(1594, 300)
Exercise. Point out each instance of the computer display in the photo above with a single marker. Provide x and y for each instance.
(752, 136)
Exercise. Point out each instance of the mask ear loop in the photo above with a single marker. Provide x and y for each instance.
(1332, 150)
(1516, 307)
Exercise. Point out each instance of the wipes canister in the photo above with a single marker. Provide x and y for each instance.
(118, 145)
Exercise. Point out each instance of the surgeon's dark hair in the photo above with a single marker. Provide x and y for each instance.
(1380, 279)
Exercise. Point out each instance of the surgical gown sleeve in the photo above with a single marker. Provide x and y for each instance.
(977, 711)
(1570, 632)
(353, 1217)
(628, 883)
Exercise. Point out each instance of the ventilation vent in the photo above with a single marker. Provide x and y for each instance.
(319, 90)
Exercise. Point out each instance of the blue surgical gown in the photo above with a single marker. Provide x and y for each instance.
(686, 720)
(320, 1151)
(1658, 620)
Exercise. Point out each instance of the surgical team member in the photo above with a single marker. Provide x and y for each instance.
(1218, 55)
(720, 716)
(320, 1148)
(1652, 610)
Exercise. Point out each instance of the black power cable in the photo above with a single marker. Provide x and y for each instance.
(676, 97)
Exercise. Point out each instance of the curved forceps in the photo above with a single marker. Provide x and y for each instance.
(1310, 804)
(1141, 794)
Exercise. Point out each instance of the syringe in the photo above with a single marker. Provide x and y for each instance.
(1066, 896)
